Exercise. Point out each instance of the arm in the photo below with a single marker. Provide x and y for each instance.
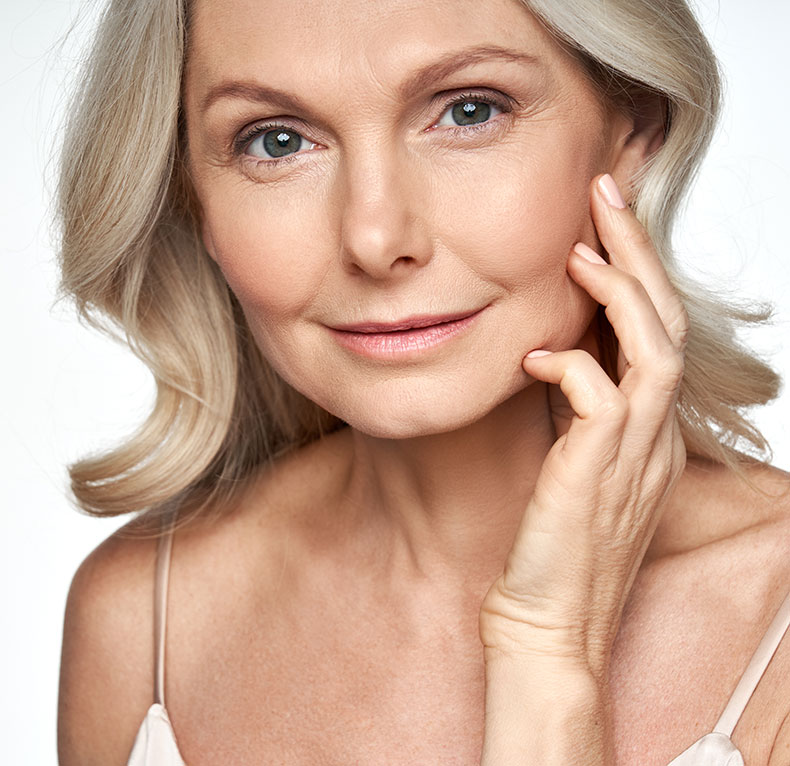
(549, 621)
(106, 676)
(543, 714)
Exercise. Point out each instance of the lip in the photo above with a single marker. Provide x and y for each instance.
(405, 338)
(422, 320)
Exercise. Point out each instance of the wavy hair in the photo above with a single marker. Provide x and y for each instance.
(133, 261)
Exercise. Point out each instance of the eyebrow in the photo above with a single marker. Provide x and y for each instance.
(422, 78)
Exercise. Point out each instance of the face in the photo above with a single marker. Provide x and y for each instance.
(361, 166)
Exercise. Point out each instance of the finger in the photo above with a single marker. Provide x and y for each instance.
(640, 332)
(600, 407)
(631, 249)
(561, 411)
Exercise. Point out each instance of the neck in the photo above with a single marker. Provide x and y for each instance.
(446, 507)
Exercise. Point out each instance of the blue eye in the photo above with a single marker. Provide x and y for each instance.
(468, 111)
(273, 142)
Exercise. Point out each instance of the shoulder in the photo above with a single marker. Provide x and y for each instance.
(728, 537)
(720, 557)
(714, 577)
(259, 551)
(224, 563)
(107, 652)
(714, 510)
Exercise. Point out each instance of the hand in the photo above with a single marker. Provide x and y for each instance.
(604, 483)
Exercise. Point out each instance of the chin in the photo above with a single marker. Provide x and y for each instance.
(411, 411)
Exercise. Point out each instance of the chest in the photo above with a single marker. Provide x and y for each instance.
(340, 684)
(332, 687)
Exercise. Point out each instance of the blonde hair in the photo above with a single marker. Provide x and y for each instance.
(133, 260)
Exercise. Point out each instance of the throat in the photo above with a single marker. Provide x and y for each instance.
(447, 506)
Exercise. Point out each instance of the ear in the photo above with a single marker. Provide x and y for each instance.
(637, 133)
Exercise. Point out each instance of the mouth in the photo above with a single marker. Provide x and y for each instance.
(412, 323)
(405, 339)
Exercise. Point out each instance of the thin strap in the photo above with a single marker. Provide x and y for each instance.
(754, 670)
(163, 550)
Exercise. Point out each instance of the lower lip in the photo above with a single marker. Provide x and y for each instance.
(387, 345)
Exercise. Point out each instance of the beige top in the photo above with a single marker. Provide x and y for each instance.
(155, 744)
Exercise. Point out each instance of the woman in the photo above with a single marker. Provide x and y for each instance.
(432, 503)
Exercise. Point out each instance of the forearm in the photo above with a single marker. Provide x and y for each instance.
(541, 716)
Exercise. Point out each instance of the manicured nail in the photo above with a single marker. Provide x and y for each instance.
(537, 353)
(610, 192)
(587, 253)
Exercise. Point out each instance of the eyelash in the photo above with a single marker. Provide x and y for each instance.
(246, 137)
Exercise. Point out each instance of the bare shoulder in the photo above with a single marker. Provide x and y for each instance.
(714, 508)
(250, 560)
(221, 562)
(729, 535)
(745, 578)
(107, 652)
(716, 574)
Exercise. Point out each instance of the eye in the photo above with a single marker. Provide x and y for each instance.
(469, 110)
(272, 142)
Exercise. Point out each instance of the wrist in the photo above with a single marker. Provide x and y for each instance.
(545, 677)
(545, 665)
(545, 711)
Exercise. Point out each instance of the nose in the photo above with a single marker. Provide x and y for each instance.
(383, 231)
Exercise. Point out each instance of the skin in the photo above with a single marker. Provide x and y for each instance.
(374, 257)
(513, 549)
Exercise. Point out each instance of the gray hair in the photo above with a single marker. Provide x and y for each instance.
(133, 261)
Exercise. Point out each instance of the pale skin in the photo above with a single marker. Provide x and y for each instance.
(458, 577)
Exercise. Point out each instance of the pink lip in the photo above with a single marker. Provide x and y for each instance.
(409, 336)
(404, 324)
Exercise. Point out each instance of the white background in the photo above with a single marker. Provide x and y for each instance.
(65, 390)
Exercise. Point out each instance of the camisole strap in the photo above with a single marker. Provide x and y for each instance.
(754, 670)
(163, 552)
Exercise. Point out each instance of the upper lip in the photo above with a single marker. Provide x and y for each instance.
(423, 320)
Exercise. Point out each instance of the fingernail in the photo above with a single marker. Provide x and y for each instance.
(587, 253)
(610, 192)
(538, 352)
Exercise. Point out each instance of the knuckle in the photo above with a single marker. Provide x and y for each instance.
(637, 236)
(682, 337)
(628, 291)
(678, 324)
(631, 287)
(578, 362)
(671, 368)
(581, 356)
(614, 407)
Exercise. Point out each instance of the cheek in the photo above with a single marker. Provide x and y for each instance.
(521, 207)
(517, 220)
(267, 249)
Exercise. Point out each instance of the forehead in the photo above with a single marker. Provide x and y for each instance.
(363, 42)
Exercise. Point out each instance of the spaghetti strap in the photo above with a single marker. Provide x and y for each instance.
(754, 670)
(155, 743)
(163, 553)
